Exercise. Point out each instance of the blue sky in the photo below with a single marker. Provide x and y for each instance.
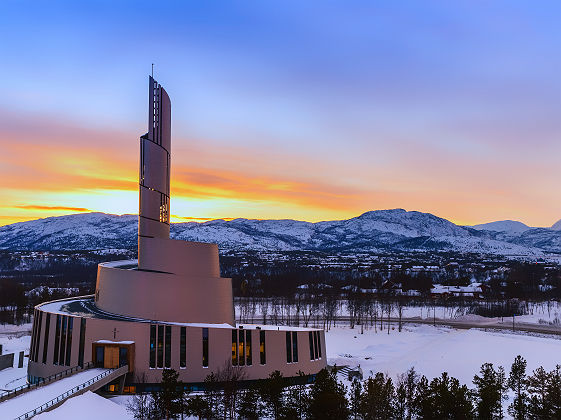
(447, 107)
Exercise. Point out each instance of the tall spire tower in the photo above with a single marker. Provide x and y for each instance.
(154, 177)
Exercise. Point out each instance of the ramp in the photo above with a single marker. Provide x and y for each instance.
(47, 397)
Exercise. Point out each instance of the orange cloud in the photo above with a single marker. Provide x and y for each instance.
(35, 207)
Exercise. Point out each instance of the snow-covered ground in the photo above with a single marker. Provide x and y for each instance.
(88, 406)
(14, 338)
(433, 350)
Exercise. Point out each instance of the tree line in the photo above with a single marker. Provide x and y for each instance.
(227, 396)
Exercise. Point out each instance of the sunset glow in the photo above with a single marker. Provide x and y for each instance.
(310, 112)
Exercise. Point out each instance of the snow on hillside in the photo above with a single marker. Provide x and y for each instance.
(557, 225)
(507, 226)
(397, 230)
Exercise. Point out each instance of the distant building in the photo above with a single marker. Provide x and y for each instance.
(168, 309)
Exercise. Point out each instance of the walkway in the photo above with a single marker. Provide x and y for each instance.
(49, 396)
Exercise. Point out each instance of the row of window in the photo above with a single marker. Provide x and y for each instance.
(315, 345)
(291, 347)
(241, 347)
(160, 346)
(64, 329)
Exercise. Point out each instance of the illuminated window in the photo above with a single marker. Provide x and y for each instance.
(248, 358)
(241, 349)
(234, 347)
(262, 350)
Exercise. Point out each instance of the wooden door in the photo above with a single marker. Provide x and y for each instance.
(111, 359)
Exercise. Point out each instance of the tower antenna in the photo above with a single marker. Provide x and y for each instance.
(152, 70)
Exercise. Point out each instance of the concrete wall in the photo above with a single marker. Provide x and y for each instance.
(164, 297)
(220, 350)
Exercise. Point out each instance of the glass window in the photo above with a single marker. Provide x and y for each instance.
(62, 342)
(294, 346)
(57, 340)
(33, 335)
(82, 342)
(123, 356)
(46, 342)
(311, 339)
(205, 347)
(316, 355)
(152, 346)
(288, 347)
(248, 358)
(262, 354)
(183, 347)
(168, 346)
(99, 353)
(69, 340)
(241, 347)
(234, 347)
(319, 344)
(38, 340)
(160, 346)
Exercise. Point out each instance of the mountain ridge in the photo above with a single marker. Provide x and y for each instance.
(373, 231)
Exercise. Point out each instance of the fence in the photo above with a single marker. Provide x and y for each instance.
(6, 395)
(65, 395)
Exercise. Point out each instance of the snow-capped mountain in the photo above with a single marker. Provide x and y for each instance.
(506, 226)
(557, 225)
(380, 230)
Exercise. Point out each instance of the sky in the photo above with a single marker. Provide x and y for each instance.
(314, 110)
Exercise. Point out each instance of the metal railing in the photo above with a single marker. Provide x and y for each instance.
(69, 393)
(6, 395)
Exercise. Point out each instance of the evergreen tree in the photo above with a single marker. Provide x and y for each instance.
(356, 391)
(409, 381)
(197, 406)
(423, 400)
(450, 399)
(488, 393)
(537, 385)
(168, 402)
(212, 396)
(327, 397)
(271, 393)
(250, 405)
(378, 398)
(517, 382)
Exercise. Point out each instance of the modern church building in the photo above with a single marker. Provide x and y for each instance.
(168, 309)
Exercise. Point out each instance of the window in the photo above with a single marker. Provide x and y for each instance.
(316, 353)
(183, 347)
(168, 346)
(38, 339)
(46, 342)
(57, 340)
(234, 347)
(69, 340)
(152, 346)
(123, 356)
(160, 346)
(205, 347)
(311, 339)
(262, 354)
(82, 342)
(319, 344)
(288, 347)
(62, 342)
(99, 353)
(248, 358)
(294, 346)
(241, 347)
(33, 335)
